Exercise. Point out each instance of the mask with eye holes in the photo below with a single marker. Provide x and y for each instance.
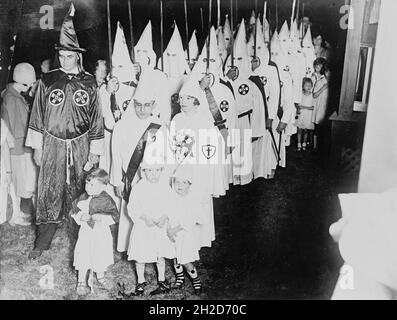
(193, 50)
(144, 53)
(175, 64)
(262, 52)
(213, 62)
(241, 60)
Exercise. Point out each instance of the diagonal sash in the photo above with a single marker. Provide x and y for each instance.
(227, 84)
(136, 160)
(259, 84)
(280, 110)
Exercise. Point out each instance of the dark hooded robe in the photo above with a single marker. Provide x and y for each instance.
(67, 114)
(66, 123)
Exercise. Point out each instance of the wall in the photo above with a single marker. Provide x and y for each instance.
(379, 158)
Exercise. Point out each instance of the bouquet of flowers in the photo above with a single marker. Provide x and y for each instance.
(181, 144)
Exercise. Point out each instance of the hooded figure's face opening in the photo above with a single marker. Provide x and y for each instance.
(181, 186)
(153, 174)
(68, 60)
(188, 103)
(143, 110)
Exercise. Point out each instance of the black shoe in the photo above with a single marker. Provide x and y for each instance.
(198, 291)
(140, 288)
(162, 287)
(34, 254)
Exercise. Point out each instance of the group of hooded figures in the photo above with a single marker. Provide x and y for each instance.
(223, 116)
(244, 91)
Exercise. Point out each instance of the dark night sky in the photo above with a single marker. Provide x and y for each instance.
(35, 44)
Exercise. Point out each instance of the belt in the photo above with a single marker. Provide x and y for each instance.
(306, 108)
(69, 153)
(246, 113)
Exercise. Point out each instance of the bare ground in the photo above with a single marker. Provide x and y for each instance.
(272, 242)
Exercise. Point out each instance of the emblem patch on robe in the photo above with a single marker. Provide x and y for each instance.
(80, 97)
(243, 89)
(224, 106)
(264, 80)
(57, 96)
(208, 150)
(152, 135)
(175, 98)
(126, 104)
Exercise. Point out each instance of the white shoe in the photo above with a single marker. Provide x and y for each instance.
(19, 221)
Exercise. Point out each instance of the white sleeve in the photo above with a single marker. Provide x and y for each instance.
(106, 111)
(116, 172)
(258, 124)
(274, 93)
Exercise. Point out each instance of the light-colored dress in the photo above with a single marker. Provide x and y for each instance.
(185, 213)
(306, 112)
(321, 102)
(94, 247)
(147, 244)
(209, 173)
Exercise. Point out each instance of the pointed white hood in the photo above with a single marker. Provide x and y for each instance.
(266, 30)
(262, 51)
(285, 38)
(175, 64)
(193, 48)
(144, 53)
(241, 56)
(199, 69)
(122, 66)
(277, 53)
(309, 52)
(222, 49)
(252, 18)
(227, 31)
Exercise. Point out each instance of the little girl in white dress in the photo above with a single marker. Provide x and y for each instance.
(95, 211)
(184, 225)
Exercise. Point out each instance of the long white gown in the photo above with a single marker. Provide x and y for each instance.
(147, 244)
(210, 177)
(94, 246)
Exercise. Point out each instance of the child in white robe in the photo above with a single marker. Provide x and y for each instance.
(95, 212)
(148, 241)
(183, 227)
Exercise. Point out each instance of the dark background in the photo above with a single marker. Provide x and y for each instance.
(33, 44)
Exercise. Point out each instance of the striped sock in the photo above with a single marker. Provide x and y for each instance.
(180, 278)
(195, 279)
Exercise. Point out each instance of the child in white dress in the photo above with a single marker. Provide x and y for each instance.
(184, 226)
(94, 211)
(305, 112)
(148, 241)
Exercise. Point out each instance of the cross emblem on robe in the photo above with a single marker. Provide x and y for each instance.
(80, 97)
(264, 80)
(208, 150)
(243, 89)
(56, 97)
(224, 106)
